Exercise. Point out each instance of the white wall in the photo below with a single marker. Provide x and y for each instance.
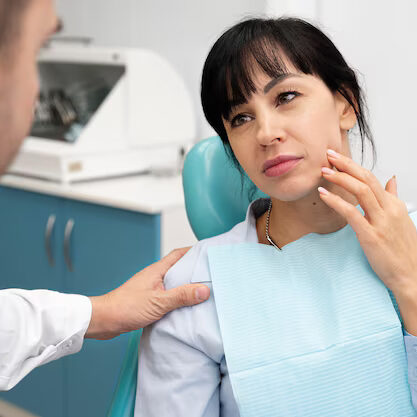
(305, 9)
(180, 30)
(379, 42)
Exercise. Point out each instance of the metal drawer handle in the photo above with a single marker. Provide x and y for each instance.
(48, 233)
(67, 239)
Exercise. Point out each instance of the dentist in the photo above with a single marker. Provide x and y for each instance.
(58, 323)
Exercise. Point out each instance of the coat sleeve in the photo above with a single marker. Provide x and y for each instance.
(37, 327)
(178, 374)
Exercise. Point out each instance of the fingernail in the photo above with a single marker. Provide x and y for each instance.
(323, 191)
(328, 171)
(333, 153)
(202, 293)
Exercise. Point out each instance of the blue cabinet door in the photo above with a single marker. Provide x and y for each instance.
(24, 264)
(23, 254)
(106, 247)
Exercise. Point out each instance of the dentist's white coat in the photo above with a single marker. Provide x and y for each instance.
(37, 327)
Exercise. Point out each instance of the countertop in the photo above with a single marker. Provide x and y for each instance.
(142, 193)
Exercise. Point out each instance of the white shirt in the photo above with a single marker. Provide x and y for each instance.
(182, 369)
(37, 327)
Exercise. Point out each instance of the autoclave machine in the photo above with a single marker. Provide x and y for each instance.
(105, 112)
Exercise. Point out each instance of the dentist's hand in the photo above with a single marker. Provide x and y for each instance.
(142, 300)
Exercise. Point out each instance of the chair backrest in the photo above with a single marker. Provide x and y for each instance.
(216, 194)
(216, 199)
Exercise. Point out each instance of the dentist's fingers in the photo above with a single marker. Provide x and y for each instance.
(161, 267)
(184, 296)
(142, 300)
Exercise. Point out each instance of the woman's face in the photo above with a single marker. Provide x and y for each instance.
(294, 115)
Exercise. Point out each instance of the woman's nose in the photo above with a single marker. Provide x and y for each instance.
(268, 130)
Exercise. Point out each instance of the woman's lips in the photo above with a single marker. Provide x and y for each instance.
(281, 168)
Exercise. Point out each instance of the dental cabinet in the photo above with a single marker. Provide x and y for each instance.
(85, 239)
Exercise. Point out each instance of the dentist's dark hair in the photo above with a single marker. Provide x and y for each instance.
(11, 12)
(227, 78)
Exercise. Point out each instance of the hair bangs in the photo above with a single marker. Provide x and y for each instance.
(237, 82)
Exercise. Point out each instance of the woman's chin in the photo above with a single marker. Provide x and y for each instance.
(294, 190)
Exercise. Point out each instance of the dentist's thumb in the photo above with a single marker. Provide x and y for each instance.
(185, 296)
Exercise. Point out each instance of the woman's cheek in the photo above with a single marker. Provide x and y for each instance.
(242, 152)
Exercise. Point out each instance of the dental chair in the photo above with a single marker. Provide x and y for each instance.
(216, 199)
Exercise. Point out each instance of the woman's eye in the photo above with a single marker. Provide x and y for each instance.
(286, 97)
(239, 120)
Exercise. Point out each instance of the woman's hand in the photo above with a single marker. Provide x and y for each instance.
(386, 233)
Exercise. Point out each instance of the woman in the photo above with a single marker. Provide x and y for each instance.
(301, 322)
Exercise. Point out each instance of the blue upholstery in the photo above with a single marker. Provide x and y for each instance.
(215, 197)
(123, 402)
(215, 200)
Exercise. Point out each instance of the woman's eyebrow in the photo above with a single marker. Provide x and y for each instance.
(277, 80)
(234, 104)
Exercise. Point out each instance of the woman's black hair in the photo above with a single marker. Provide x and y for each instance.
(263, 43)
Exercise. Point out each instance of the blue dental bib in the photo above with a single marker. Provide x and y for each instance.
(310, 330)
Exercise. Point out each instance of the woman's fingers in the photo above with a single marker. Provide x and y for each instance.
(391, 186)
(353, 216)
(362, 191)
(348, 166)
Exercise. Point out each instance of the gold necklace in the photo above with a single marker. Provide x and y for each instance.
(267, 228)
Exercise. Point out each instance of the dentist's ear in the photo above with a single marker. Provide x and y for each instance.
(347, 116)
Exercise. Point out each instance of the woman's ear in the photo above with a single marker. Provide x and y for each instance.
(347, 116)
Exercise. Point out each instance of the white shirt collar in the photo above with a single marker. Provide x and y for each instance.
(255, 209)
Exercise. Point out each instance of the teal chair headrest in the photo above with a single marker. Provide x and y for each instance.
(215, 198)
